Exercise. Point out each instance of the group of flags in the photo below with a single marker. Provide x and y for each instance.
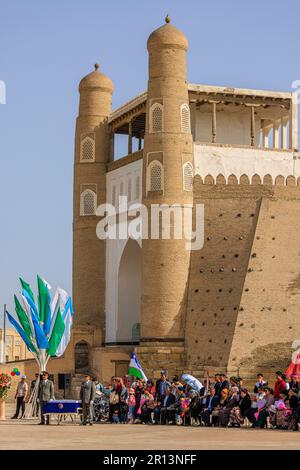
(45, 326)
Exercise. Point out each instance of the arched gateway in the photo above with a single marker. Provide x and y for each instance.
(129, 292)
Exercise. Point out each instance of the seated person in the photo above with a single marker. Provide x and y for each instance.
(161, 412)
(283, 412)
(180, 396)
(208, 405)
(222, 404)
(238, 413)
(166, 414)
(295, 408)
(184, 406)
(263, 413)
(147, 407)
(195, 406)
(258, 402)
(261, 383)
(224, 413)
(156, 412)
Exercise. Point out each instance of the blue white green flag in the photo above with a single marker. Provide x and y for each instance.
(135, 369)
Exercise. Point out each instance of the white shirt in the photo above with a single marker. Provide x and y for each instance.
(22, 389)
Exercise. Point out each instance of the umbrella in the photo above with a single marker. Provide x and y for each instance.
(194, 383)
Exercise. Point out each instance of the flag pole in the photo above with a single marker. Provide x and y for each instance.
(3, 358)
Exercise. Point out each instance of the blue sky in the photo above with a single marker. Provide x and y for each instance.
(46, 47)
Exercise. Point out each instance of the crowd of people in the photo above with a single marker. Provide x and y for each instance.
(224, 402)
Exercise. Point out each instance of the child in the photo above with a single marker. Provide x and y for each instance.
(115, 417)
(131, 406)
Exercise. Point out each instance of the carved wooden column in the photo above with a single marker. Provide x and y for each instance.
(130, 137)
(284, 122)
(265, 132)
(111, 146)
(276, 134)
(252, 127)
(293, 122)
(214, 123)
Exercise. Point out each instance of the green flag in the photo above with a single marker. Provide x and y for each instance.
(44, 300)
(57, 334)
(22, 316)
(27, 288)
(22, 333)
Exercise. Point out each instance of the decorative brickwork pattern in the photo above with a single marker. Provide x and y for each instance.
(156, 117)
(188, 176)
(185, 118)
(87, 150)
(88, 202)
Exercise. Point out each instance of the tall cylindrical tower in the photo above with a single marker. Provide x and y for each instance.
(168, 160)
(92, 144)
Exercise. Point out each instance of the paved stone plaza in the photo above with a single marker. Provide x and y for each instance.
(28, 435)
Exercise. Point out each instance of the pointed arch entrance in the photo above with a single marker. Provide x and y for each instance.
(129, 293)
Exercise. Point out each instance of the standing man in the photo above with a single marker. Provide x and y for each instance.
(46, 393)
(218, 384)
(224, 382)
(87, 396)
(161, 386)
(20, 396)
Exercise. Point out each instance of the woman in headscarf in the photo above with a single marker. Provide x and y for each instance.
(222, 404)
(122, 393)
(238, 413)
(283, 411)
(232, 401)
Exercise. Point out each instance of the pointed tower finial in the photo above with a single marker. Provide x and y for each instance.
(96, 66)
(167, 19)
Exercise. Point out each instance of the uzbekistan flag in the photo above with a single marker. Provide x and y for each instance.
(135, 369)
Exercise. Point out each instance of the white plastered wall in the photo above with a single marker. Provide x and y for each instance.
(226, 160)
(233, 127)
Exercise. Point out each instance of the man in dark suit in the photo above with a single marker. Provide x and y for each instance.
(87, 397)
(224, 382)
(218, 384)
(165, 413)
(211, 402)
(46, 393)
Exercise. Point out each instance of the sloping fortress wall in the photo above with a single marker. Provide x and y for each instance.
(243, 298)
